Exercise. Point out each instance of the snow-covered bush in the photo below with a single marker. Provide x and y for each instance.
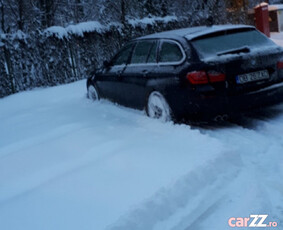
(60, 55)
(33, 53)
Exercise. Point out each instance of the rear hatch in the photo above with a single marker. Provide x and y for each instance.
(248, 59)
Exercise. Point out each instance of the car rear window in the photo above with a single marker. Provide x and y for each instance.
(232, 43)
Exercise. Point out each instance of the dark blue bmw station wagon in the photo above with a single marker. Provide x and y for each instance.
(193, 73)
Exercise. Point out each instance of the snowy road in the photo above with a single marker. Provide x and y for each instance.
(69, 163)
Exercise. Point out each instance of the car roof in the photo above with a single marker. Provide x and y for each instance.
(195, 32)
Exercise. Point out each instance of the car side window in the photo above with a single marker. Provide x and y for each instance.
(123, 56)
(170, 52)
(141, 52)
(152, 57)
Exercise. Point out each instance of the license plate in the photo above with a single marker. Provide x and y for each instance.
(251, 77)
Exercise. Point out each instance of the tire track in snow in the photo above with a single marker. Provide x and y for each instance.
(188, 196)
(24, 186)
(251, 183)
(37, 140)
(260, 146)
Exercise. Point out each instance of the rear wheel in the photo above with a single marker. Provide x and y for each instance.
(158, 108)
(92, 93)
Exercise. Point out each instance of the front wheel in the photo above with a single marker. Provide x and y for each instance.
(92, 93)
(158, 108)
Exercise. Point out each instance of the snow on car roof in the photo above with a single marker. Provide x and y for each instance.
(194, 32)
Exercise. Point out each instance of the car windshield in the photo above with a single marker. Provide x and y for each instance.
(233, 43)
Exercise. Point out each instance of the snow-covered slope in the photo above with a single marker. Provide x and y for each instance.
(69, 163)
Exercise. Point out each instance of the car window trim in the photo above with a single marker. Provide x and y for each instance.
(180, 47)
(154, 41)
(143, 64)
(118, 66)
(160, 41)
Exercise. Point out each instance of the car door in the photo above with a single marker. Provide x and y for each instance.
(171, 56)
(109, 82)
(137, 73)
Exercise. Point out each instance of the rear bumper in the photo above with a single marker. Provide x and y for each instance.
(204, 107)
(258, 99)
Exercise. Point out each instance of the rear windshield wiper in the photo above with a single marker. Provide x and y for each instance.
(234, 51)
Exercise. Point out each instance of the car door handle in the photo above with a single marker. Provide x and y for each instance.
(145, 73)
(119, 74)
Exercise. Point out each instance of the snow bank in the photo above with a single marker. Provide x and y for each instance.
(95, 26)
(85, 27)
(57, 31)
(78, 29)
(151, 20)
(19, 35)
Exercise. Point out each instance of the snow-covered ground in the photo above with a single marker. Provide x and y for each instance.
(69, 163)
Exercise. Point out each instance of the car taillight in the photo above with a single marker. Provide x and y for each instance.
(202, 77)
(280, 65)
(216, 76)
(197, 77)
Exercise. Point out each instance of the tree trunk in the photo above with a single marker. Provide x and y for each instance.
(123, 12)
(2, 16)
(79, 11)
(20, 20)
(47, 12)
(9, 69)
(7, 55)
